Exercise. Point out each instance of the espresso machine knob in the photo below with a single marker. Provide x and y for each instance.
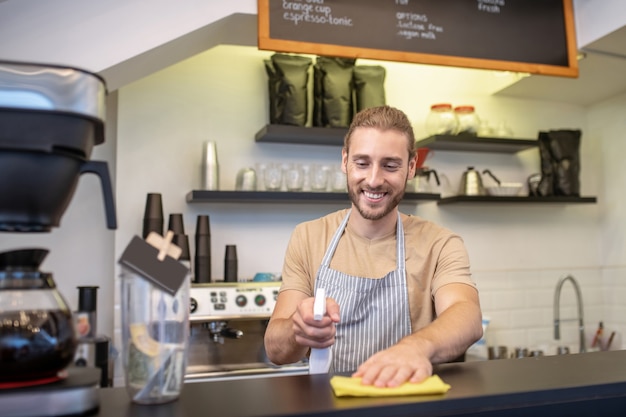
(260, 300)
(241, 300)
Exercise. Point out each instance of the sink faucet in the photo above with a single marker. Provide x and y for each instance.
(557, 313)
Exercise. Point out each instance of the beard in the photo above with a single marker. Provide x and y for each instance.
(373, 211)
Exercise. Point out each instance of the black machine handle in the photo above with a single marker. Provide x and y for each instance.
(486, 171)
(432, 171)
(231, 333)
(101, 169)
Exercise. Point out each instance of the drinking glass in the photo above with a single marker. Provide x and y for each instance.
(294, 177)
(338, 180)
(319, 177)
(273, 177)
(259, 168)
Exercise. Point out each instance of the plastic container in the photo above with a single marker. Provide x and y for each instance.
(468, 122)
(155, 334)
(441, 120)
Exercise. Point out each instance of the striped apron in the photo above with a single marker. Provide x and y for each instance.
(374, 312)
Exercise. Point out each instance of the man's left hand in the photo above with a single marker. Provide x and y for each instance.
(394, 366)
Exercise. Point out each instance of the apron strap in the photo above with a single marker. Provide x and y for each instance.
(330, 251)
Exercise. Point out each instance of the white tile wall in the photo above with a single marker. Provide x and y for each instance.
(520, 306)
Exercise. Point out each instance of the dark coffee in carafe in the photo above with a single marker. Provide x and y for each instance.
(37, 335)
(35, 344)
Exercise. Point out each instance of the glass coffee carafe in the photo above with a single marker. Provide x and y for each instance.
(37, 338)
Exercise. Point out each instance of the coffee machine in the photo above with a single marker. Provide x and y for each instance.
(51, 117)
(228, 322)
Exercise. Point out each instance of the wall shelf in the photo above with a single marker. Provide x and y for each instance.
(204, 196)
(469, 143)
(514, 199)
(334, 136)
(296, 197)
(301, 135)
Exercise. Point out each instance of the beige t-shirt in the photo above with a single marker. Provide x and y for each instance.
(434, 257)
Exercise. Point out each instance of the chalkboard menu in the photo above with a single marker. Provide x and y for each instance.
(534, 36)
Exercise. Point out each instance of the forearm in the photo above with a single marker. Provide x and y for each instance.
(280, 343)
(450, 334)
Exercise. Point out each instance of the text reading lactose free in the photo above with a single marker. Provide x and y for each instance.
(312, 11)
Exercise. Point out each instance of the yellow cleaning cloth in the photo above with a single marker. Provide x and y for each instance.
(345, 386)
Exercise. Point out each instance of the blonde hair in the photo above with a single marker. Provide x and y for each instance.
(383, 118)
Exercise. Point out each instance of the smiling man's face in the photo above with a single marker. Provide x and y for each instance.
(377, 166)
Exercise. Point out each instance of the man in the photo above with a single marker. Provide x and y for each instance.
(400, 296)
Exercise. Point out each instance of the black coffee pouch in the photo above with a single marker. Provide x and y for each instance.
(369, 86)
(560, 162)
(288, 77)
(332, 92)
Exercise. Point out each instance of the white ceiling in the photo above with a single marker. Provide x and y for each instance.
(602, 74)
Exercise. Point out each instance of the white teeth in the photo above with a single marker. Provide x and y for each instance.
(373, 195)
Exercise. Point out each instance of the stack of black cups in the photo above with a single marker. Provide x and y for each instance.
(153, 215)
(202, 260)
(230, 264)
(180, 239)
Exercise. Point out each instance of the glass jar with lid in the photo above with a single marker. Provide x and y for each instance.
(467, 120)
(441, 120)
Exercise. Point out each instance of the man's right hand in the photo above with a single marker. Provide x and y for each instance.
(315, 333)
(292, 329)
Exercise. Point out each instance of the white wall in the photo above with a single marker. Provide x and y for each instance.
(597, 18)
(606, 122)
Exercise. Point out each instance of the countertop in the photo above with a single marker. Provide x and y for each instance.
(588, 384)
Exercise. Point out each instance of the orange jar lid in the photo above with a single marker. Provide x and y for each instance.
(464, 109)
(441, 106)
